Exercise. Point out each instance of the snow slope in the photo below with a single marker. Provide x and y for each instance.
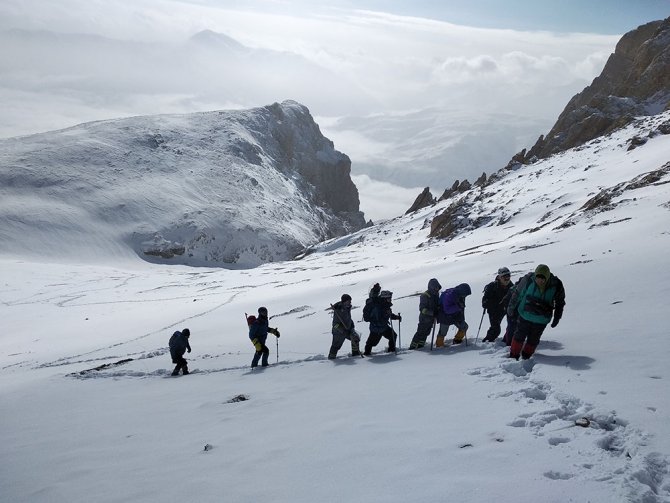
(456, 424)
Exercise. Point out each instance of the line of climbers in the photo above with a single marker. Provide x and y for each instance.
(530, 305)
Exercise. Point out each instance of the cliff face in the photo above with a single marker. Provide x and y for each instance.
(634, 82)
(229, 188)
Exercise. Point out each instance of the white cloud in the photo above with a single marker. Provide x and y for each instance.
(399, 62)
(382, 200)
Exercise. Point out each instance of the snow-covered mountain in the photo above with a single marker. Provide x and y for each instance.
(89, 412)
(234, 188)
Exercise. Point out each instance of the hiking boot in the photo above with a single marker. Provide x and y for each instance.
(457, 341)
(331, 357)
(439, 342)
(175, 373)
(186, 372)
(390, 350)
(356, 353)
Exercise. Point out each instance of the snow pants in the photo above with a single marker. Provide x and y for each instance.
(339, 336)
(495, 319)
(423, 330)
(509, 332)
(264, 353)
(526, 338)
(375, 337)
(181, 362)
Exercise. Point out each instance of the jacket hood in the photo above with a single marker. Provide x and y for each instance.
(463, 290)
(434, 285)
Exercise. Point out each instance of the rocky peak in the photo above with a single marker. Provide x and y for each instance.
(457, 188)
(423, 200)
(634, 82)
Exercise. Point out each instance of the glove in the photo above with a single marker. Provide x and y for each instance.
(400, 318)
(277, 333)
(257, 345)
(274, 331)
(189, 350)
(427, 312)
(555, 322)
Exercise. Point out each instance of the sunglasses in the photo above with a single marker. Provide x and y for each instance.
(506, 276)
(540, 276)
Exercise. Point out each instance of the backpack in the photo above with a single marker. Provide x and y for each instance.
(367, 310)
(251, 320)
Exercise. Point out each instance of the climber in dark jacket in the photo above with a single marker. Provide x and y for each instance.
(258, 334)
(343, 328)
(178, 346)
(429, 302)
(537, 296)
(494, 301)
(377, 312)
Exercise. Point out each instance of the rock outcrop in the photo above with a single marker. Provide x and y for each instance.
(424, 199)
(457, 188)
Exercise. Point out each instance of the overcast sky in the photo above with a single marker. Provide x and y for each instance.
(340, 58)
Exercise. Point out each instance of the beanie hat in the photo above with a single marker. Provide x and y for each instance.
(346, 298)
(503, 271)
(263, 311)
(374, 291)
(186, 332)
(542, 270)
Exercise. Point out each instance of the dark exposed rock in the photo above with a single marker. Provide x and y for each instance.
(424, 199)
(636, 141)
(664, 128)
(634, 82)
(481, 181)
(456, 188)
(450, 221)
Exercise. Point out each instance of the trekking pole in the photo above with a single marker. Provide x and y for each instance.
(480, 326)
(277, 349)
(395, 339)
(432, 337)
(399, 321)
